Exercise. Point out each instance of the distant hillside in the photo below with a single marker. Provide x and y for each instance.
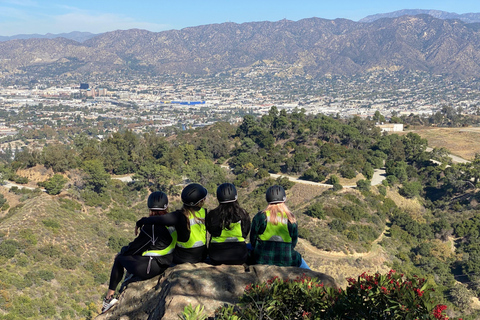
(75, 35)
(310, 47)
(465, 17)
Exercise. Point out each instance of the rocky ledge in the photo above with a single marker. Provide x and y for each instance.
(165, 297)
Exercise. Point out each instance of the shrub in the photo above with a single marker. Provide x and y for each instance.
(116, 243)
(51, 223)
(363, 185)
(55, 184)
(337, 186)
(390, 296)
(70, 205)
(316, 211)
(69, 262)
(8, 248)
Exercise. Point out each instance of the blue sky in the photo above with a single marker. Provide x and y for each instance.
(96, 16)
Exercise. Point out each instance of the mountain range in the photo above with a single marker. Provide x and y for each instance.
(465, 17)
(310, 47)
(74, 35)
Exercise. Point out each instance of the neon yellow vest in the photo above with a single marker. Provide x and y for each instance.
(232, 235)
(276, 232)
(167, 250)
(198, 232)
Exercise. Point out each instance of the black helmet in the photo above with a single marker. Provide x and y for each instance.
(276, 194)
(193, 194)
(226, 193)
(157, 200)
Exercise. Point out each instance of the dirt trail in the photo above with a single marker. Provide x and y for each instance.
(375, 251)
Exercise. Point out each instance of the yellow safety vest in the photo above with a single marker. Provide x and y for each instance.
(232, 235)
(276, 232)
(198, 232)
(167, 250)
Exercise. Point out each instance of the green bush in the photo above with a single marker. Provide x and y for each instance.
(120, 214)
(116, 243)
(51, 250)
(69, 262)
(316, 211)
(70, 204)
(8, 248)
(390, 296)
(51, 223)
(55, 184)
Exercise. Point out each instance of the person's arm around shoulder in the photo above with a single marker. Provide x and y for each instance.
(169, 219)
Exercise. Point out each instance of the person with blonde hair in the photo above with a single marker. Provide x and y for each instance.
(274, 233)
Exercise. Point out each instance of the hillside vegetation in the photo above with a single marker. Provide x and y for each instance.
(56, 246)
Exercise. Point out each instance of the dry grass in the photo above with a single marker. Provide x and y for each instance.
(410, 205)
(301, 195)
(463, 142)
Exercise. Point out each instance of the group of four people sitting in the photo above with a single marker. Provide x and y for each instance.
(165, 239)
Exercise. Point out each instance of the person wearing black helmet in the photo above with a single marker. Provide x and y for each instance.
(189, 223)
(149, 254)
(229, 225)
(274, 232)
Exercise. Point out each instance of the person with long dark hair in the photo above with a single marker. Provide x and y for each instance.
(228, 225)
(274, 232)
(189, 223)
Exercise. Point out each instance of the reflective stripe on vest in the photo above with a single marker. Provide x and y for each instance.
(276, 232)
(232, 235)
(198, 232)
(167, 250)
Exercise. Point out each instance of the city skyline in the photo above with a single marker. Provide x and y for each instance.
(41, 17)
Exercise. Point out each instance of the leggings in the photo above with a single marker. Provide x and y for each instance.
(141, 266)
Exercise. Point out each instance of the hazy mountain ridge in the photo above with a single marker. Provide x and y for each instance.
(465, 17)
(313, 47)
(74, 35)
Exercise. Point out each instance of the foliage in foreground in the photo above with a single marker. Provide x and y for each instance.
(390, 296)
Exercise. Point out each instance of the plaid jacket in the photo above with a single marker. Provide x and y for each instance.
(273, 252)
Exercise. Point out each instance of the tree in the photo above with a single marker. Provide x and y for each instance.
(363, 185)
(55, 184)
(97, 179)
(316, 211)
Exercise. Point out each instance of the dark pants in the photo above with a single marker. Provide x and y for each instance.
(141, 266)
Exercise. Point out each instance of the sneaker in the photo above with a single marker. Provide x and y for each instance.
(108, 303)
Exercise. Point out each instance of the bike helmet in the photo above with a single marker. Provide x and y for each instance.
(157, 200)
(276, 194)
(193, 194)
(226, 192)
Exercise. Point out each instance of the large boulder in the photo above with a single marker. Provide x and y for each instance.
(165, 297)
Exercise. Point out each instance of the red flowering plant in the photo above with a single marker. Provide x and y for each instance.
(390, 296)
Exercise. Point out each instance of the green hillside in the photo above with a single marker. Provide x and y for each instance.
(56, 247)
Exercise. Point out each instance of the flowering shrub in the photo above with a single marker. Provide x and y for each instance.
(390, 296)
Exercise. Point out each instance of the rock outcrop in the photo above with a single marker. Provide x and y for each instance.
(165, 297)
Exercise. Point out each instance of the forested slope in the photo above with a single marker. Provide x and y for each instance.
(56, 247)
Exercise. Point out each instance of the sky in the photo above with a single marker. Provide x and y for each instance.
(98, 16)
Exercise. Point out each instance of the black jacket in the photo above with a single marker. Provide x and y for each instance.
(150, 237)
(180, 222)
